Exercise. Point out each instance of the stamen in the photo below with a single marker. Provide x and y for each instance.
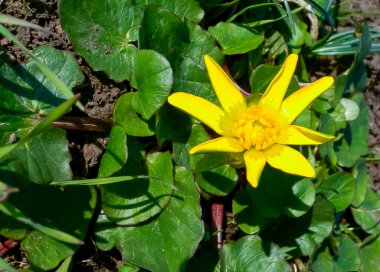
(259, 128)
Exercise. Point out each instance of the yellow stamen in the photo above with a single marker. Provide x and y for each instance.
(259, 127)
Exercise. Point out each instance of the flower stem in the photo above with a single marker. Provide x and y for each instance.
(217, 211)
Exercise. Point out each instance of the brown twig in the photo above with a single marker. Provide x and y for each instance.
(84, 124)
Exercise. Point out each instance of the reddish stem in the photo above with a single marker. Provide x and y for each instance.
(7, 245)
(217, 211)
(84, 123)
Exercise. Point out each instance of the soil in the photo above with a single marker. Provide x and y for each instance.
(99, 94)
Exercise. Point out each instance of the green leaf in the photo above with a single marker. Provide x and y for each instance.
(6, 267)
(42, 66)
(136, 201)
(65, 265)
(323, 261)
(185, 9)
(26, 90)
(172, 125)
(58, 213)
(91, 27)
(165, 243)
(348, 258)
(37, 159)
(153, 78)
(370, 256)
(44, 252)
(354, 143)
(345, 110)
(190, 73)
(262, 76)
(362, 181)
(181, 154)
(339, 189)
(18, 231)
(116, 154)
(172, 33)
(326, 150)
(280, 193)
(251, 253)
(215, 175)
(127, 117)
(235, 39)
(248, 216)
(301, 236)
(367, 215)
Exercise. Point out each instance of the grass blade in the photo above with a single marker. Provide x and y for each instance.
(44, 69)
(45, 123)
(16, 214)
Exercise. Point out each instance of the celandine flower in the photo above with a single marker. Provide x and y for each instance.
(262, 131)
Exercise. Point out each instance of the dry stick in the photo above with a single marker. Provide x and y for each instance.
(217, 210)
(84, 123)
(6, 246)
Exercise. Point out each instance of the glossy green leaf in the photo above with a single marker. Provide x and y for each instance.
(215, 175)
(292, 195)
(181, 154)
(370, 256)
(166, 243)
(44, 252)
(339, 189)
(42, 66)
(247, 215)
(354, 143)
(91, 27)
(362, 181)
(172, 125)
(6, 267)
(50, 209)
(348, 258)
(172, 33)
(17, 231)
(301, 236)
(190, 73)
(262, 76)
(251, 253)
(323, 261)
(116, 154)
(345, 110)
(37, 159)
(235, 39)
(136, 201)
(26, 90)
(185, 9)
(367, 215)
(153, 78)
(127, 117)
(326, 150)
(65, 265)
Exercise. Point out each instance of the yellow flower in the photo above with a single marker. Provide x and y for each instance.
(262, 131)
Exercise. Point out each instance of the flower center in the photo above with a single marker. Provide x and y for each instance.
(259, 127)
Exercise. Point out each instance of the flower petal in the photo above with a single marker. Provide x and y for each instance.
(303, 136)
(230, 97)
(221, 144)
(254, 165)
(290, 161)
(295, 103)
(205, 111)
(277, 88)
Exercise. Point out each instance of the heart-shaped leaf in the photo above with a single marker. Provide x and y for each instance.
(165, 243)
(251, 253)
(136, 201)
